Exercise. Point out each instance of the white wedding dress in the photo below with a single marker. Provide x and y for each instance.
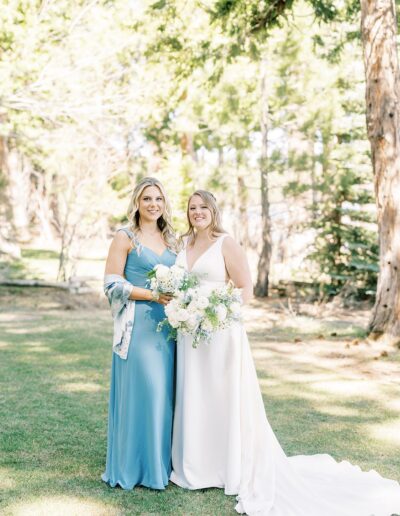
(222, 438)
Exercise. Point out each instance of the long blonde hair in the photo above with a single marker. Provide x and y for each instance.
(216, 225)
(163, 222)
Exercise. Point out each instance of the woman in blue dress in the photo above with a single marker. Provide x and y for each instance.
(142, 375)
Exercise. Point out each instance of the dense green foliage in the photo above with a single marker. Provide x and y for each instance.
(97, 95)
(318, 150)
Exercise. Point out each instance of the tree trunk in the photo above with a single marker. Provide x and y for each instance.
(8, 231)
(261, 289)
(243, 226)
(19, 173)
(378, 28)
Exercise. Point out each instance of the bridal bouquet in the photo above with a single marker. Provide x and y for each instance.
(170, 280)
(199, 313)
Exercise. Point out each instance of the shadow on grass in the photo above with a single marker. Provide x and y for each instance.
(54, 424)
(54, 418)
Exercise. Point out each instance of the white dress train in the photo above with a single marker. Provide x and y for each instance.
(222, 438)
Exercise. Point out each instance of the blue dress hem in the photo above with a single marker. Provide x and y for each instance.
(130, 487)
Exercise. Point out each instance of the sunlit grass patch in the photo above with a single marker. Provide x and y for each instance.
(346, 388)
(54, 393)
(80, 387)
(60, 505)
(388, 431)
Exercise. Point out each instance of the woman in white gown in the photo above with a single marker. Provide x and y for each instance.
(221, 435)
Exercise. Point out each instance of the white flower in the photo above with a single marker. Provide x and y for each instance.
(235, 308)
(237, 292)
(173, 321)
(182, 315)
(203, 291)
(180, 297)
(162, 272)
(192, 322)
(171, 307)
(192, 307)
(178, 271)
(202, 302)
(221, 312)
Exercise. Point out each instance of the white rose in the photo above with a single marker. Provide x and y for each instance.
(202, 302)
(173, 321)
(202, 291)
(162, 272)
(221, 312)
(235, 308)
(192, 322)
(172, 307)
(178, 271)
(192, 307)
(182, 315)
(180, 297)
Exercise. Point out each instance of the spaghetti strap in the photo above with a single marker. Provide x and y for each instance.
(128, 233)
(135, 244)
(221, 239)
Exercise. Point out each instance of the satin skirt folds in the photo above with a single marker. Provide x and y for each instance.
(141, 406)
(222, 438)
(206, 439)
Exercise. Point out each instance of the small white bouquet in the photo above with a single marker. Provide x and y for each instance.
(170, 280)
(199, 313)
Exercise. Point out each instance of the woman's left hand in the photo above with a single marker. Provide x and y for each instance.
(163, 299)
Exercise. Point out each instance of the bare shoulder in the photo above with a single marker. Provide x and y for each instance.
(230, 245)
(121, 241)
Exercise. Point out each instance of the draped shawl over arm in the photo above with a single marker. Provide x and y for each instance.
(118, 289)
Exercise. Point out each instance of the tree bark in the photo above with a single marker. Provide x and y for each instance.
(378, 28)
(261, 288)
(8, 231)
(243, 226)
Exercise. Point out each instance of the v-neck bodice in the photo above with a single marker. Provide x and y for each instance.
(138, 264)
(142, 259)
(209, 266)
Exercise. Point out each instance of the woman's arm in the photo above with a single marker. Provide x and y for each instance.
(237, 267)
(115, 264)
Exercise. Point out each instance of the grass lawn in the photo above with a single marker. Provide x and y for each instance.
(325, 390)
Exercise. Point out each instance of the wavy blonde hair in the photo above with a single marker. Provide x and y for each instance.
(215, 227)
(163, 222)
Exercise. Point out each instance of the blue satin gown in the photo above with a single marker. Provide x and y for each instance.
(142, 391)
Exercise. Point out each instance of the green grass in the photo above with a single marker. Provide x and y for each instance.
(54, 371)
(40, 254)
(43, 264)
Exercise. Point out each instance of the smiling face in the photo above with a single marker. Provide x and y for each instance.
(151, 204)
(199, 213)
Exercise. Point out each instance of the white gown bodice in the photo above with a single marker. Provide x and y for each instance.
(209, 266)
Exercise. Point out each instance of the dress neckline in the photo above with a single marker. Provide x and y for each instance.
(200, 256)
(141, 246)
(154, 252)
